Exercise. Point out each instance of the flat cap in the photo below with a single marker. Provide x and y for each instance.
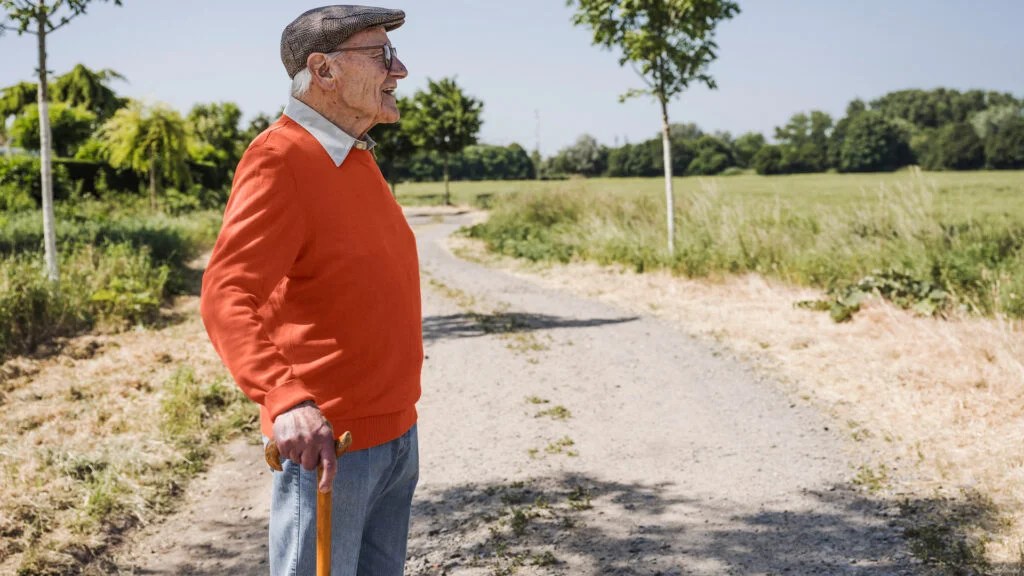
(323, 29)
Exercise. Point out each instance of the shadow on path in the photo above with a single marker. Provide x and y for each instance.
(472, 324)
(575, 524)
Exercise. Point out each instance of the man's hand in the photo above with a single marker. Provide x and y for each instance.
(305, 437)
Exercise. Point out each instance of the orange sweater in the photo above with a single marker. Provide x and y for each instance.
(312, 291)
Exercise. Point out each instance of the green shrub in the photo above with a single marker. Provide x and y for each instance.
(117, 268)
(128, 286)
(116, 284)
(19, 176)
(536, 227)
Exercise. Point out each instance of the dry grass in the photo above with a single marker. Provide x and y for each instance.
(938, 405)
(90, 443)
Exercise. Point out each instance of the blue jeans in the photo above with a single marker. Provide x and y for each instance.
(371, 503)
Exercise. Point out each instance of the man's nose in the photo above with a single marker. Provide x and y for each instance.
(398, 68)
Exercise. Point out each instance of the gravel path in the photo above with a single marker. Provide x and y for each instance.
(563, 436)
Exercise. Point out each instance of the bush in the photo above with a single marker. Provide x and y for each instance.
(19, 179)
(532, 227)
(116, 285)
(116, 269)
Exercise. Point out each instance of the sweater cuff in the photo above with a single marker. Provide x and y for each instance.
(285, 397)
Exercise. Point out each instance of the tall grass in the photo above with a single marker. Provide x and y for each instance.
(965, 242)
(117, 267)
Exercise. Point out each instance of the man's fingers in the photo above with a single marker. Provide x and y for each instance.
(330, 463)
(310, 456)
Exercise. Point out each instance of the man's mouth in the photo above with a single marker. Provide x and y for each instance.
(390, 91)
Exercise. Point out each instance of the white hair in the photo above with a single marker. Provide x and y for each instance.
(301, 82)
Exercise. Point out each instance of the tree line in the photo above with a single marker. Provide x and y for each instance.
(937, 129)
(105, 143)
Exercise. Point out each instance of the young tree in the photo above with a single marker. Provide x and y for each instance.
(150, 141)
(446, 120)
(670, 44)
(46, 17)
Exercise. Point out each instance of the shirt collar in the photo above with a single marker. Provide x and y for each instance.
(334, 140)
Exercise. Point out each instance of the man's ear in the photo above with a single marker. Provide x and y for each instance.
(321, 70)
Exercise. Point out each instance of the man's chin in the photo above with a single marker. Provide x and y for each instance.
(389, 117)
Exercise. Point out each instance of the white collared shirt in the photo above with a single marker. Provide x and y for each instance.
(336, 142)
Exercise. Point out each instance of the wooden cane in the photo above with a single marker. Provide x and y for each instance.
(323, 502)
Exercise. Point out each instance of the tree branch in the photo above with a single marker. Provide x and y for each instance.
(18, 30)
(64, 21)
(641, 75)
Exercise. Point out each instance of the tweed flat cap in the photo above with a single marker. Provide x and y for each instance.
(323, 29)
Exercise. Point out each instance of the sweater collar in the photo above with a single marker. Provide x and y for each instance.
(334, 140)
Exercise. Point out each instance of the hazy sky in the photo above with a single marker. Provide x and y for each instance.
(526, 61)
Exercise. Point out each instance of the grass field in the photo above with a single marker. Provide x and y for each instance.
(937, 242)
(974, 192)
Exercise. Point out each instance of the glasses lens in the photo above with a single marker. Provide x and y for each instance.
(389, 54)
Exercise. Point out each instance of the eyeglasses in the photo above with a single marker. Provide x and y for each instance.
(390, 52)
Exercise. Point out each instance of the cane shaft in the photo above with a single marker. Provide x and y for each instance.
(323, 529)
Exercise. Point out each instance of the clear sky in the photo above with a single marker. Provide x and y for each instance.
(526, 61)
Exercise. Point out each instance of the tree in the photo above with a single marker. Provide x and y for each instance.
(70, 127)
(873, 143)
(215, 138)
(990, 120)
(46, 17)
(394, 144)
(746, 146)
(957, 147)
(586, 157)
(805, 142)
(88, 89)
(670, 44)
(1004, 147)
(149, 141)
(713, 156)
(768, 160)
(536, 161)
(444, 119)
(838, 135)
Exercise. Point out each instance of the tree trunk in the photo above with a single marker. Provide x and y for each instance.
(152, 186)
(447, 193)
(666, 146)
(45, 154)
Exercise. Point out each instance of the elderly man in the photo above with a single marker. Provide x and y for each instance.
(312, 297)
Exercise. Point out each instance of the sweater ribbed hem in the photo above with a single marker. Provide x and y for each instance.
(366, 432)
